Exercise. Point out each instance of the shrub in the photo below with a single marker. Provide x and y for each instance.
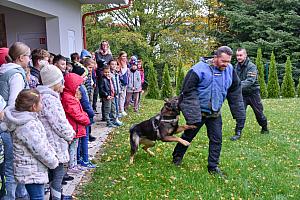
(180, 78)
(273, 85)
(166, 90)
(288, 85)
(153, 91)
(261, 74)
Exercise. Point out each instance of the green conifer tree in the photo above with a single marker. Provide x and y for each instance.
(273, 85)
(261, 74)
(180, 78)
(166, 90)
(153, 91)
(288, 85)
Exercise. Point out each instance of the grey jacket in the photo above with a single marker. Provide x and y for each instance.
(59, 131)
(33, 154)
(134, 81)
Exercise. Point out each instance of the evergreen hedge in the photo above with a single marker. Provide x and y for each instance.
(166, 91)
(153, 91)
(273, 85)
(180, 78)
(261, 74)
(288, 85)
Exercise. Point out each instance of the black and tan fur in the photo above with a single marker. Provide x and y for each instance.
(160, 127)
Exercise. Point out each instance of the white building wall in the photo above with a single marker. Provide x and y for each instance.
(62, 16)
(18, 23)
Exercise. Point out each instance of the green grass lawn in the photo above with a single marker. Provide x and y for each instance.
(258, 166)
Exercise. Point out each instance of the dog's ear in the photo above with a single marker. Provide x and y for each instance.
(166, 100)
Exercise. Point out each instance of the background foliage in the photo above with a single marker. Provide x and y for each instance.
(163, 31)
(272, 25)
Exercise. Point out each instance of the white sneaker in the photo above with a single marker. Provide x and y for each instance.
(124, 113)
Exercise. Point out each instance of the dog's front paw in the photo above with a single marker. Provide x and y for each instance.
(185, 143)
(191, 127)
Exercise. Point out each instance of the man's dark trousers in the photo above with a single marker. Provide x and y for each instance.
(214, 133)
(254, 101)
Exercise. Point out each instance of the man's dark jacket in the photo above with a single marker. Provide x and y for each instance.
(248, 75)
(190, 101)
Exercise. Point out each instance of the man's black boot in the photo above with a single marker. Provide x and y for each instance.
(216, 171)
(177, 160)
(264, 130)
(237, 135)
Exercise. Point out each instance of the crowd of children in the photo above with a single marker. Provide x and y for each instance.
(47, 108)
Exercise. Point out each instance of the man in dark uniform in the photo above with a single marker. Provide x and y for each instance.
(205, 87)
(247, 72)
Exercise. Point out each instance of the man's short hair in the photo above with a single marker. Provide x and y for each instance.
(39, 54)
(224, 49)
(242, 49)
(57, 58)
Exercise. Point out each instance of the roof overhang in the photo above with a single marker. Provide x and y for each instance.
(103, 1)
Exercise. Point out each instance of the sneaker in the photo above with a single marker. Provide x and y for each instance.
(111, 126)
(124, 113)
(66, 197)
(88, 164)
(91, 138)
(76, 169)
(67, 177)
(118, 123)
(64, 182)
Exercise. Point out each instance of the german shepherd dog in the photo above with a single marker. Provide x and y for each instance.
(160, 127)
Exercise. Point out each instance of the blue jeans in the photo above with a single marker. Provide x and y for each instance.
(56, 177)
(83, 149)
(36, 191)
(13, 189)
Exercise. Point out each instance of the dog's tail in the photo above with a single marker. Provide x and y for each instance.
(134, 140)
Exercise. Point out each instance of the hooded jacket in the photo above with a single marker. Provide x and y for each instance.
(12, 81)
(53, 117)
(33, 154)
(73, 109)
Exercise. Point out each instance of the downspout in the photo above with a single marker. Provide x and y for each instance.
(99, 12)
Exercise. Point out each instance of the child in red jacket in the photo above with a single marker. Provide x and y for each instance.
(76, 116)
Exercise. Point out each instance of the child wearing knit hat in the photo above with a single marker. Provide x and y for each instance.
(3, 54)
(59, 131)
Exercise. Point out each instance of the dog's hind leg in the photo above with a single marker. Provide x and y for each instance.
(134, 144)
(147, 144)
